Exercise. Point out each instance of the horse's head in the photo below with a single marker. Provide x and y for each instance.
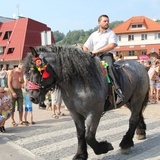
(40, 75)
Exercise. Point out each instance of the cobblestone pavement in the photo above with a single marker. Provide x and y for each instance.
(55, 139)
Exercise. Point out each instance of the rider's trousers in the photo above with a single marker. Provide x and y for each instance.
(108, 57)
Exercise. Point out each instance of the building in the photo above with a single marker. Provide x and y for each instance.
(138, 38)
(17, 35)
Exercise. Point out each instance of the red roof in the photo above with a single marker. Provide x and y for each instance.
(138, 25)
(151, 26)
(25, 32)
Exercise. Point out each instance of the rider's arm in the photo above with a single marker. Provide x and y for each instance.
(85, 48)
(106, 48)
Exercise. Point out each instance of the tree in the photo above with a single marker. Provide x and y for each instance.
(78, 36)
(58, 36)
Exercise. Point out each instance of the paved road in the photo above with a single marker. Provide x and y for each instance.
(55, 139)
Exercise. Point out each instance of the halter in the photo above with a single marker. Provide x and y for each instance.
(41, 65)
(32, 86)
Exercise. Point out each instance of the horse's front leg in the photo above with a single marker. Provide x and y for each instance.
(82, 146)
(92, 122)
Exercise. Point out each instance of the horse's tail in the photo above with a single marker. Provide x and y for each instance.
(146, 99)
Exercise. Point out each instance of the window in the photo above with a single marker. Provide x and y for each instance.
(119, 38)
(10, 50)
(7, 35)
(130, 37)
(0, 34)
(134, 26)
(157, 35)
(143, 37)
(139, 26)
(131, 53)
(2, 50)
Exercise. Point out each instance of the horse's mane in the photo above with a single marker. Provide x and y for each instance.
(74, 62)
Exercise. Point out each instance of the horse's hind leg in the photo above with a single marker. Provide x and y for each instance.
(92, 122)
(136, 121)
(141, 128)
(127, 141)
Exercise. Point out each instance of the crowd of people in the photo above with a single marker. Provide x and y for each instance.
(14, 96)
(153, 67)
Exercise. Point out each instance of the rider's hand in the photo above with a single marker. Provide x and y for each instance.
(94, 52)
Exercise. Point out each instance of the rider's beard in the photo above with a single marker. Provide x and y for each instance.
(105, 27)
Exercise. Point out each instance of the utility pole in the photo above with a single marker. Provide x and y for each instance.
(18, 9)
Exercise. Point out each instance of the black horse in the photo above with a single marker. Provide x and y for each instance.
(85, 91)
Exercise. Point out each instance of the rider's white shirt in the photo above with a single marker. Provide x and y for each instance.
(98, 40)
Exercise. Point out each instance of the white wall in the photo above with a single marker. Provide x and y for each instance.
(137, 40)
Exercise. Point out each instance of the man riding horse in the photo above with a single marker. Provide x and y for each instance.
(102, 43)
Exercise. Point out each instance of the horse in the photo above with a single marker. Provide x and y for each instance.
(85, 89)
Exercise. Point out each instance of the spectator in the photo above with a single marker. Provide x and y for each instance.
(147, 64)
(152, 78)
(15, 81)
(28, 104)
(4, 109)
(3, 78)
(56, 101)
(119, 57)
(48, 101)
(158, 81)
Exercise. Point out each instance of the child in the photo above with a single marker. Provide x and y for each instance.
(5, 112)
(28, 105)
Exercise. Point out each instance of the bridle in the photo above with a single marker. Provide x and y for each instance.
(41, 65)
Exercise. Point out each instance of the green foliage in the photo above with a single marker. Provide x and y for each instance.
(115, 24)
(58, 36)
(77, 36)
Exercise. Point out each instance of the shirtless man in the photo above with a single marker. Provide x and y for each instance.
(15, 81)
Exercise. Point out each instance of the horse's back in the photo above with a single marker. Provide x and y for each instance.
(133, 70)
(134, 80)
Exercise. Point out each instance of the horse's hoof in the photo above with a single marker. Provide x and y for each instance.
(80, 156)
(125, 151)
(140, 137)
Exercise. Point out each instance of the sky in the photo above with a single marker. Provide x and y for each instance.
(69, 15)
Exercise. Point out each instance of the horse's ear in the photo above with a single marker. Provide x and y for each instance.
(34, 53)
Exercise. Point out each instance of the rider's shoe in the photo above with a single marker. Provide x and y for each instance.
(120, 96)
